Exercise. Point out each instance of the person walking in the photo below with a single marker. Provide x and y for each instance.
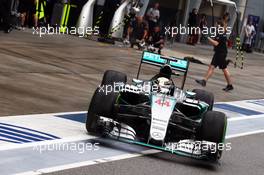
(219, 58)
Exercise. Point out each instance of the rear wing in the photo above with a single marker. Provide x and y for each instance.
(176, 64)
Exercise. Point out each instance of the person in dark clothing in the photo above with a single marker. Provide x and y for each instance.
(203, 25)
(26, 8)
(137, 32)
(157, 39)
(109, 9)
(219, 59)
(192, 23)
(49, 9)
(129, 17)
(5, 15)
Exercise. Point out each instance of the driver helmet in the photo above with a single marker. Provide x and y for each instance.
(165, 72)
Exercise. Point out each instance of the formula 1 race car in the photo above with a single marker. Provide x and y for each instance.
(156, 113)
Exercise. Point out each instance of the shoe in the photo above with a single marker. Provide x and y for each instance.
(126, 42)
(228, 88)
(201, 82)
(142, 44)
(8, 30)
(151, 48)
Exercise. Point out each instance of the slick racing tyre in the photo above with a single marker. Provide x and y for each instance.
(205, 96)
(102, 103)
(213, 129)
(111, 76)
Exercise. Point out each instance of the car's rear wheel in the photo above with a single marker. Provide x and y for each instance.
(205, 96)
(102, 102)
(213, 129)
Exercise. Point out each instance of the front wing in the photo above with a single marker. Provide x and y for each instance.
(201, 150)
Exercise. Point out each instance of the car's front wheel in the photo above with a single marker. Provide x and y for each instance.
(213, 129)
(100, 105)
(103, 101)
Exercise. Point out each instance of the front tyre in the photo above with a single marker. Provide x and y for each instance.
(213, 129)
(100, 105)
(103, 101)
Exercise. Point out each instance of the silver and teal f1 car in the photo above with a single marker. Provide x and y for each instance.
(156, 113)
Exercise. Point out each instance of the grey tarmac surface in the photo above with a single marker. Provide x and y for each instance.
(60, 73)
(245, 158)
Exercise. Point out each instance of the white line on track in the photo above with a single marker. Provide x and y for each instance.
(245, 134)
(246, 118)
(88, 163)
(54, 114)
(36, 144)
(114, 158)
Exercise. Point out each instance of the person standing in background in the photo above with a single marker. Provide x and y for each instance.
(5, 14)
(130, 16)
(203, 25)
(225, 20)
(153, 16)
(49, 10)
(15, 15)
(157, 39)
(137, 32)
(26, 8)
(193, 23)
(250, 32)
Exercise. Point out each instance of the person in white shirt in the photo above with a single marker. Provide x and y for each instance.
(153, 16)
(249, 33)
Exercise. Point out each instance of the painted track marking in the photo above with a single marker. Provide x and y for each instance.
(70, 117)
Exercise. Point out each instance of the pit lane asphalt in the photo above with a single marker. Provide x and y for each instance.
(60, 73)
(245, 158)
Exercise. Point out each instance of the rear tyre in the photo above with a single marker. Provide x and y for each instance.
(213, 129)
(103, 101)
(205, 96)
